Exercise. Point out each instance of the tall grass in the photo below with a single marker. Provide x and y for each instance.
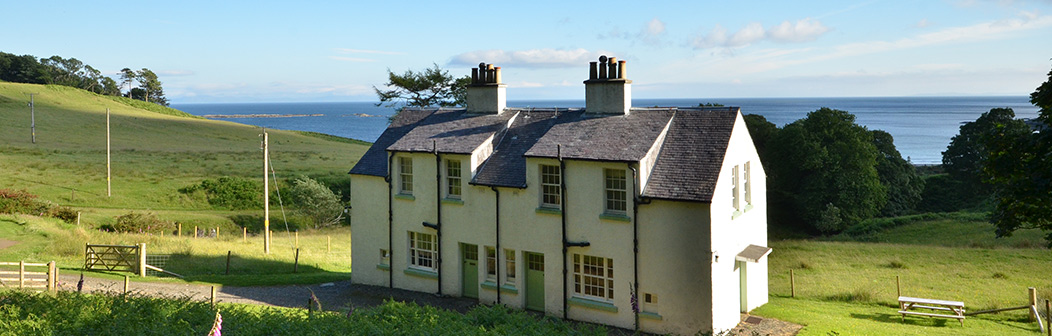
(70, 313)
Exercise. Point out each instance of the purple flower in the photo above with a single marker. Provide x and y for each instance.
(217, 327)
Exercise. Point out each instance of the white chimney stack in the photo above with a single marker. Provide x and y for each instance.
(606, 90)
(486, 93)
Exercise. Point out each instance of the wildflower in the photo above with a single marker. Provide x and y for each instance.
(217, 327)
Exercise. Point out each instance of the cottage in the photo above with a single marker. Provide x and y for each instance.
(642, 218)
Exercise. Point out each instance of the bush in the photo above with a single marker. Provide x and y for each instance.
(229, 193)
(64, 213)
(21, 202)
(316, 202)
(138, 223)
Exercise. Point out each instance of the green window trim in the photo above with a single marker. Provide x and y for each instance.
(615, 217)
(593, 304)
(421, 273)
(506, 288)
(383, 267)
(651, 316)
(407, 197)
(736, 214)
(549, 211)
(747, 207)
(455, 201)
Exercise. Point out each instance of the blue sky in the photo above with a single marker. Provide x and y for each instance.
(263, 51)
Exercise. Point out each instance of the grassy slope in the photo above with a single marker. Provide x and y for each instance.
(849, 287)
(153, 153)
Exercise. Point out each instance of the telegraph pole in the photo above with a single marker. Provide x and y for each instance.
(266, 194)
(107, 152)
(32, 117)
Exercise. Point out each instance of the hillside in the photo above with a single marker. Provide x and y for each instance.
(154, 152)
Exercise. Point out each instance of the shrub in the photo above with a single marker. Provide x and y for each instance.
(138, 223)
(316, 202)
(64, 213)
(21, 202)
(231, 193)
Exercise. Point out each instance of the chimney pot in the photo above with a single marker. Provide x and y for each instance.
(592, 71)
(496, 77)
(621, 69)
(608, 91)
(474, 75)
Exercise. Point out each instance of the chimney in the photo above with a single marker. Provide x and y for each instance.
(486, 94)
(606, 90)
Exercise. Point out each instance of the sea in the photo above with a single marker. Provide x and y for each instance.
(922, 126)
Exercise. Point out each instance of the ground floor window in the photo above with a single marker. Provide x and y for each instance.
(422, 250)
(593, 276)
(509, 265)
(491, 263)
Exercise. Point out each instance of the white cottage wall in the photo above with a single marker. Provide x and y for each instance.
(369, 229)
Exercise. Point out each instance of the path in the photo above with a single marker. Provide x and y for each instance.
(341, 294)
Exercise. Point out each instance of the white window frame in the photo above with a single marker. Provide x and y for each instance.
(509, 266)
(735, 189)
(747, 182)
(385, 257)
(405, 175)
(491, 263)
(593, 277)
(615, 196)
(454, 188)
(423, 251)
(551, 188)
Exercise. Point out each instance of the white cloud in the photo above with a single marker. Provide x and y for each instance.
(366, 51)
(352, 59)
(923, 23)
(525, 85)
(533, 58)
(804, 30)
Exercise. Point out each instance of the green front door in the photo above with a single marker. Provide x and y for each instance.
(534, 281)
(469, 273)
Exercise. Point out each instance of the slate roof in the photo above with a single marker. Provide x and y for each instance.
(692, 155)
(686, 168)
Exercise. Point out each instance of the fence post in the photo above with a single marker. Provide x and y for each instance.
(21, 274)
(125, 284)
(296, 264)
(217, 233)
(898, 288)
(328, 244)
(78, 218)
(1048, 317)
(297, 239)
(142, 259)
(792, 284)
(227, 262)
(212, 300)
(178, 229)
(244, 234)
(51, 276)
(195, 231)
(1032, 294)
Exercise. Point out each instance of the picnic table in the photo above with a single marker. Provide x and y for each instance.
(907, 303)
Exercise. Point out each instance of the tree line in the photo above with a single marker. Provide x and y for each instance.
(72, 72)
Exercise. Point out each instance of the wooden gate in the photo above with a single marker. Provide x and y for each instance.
(130, 258)
(27, 279)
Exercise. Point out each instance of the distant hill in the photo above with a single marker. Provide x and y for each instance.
(156, 150)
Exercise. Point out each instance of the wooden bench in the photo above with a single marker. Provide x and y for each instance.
(956, 307)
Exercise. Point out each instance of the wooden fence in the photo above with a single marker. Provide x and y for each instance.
(130, 258)
(26, 279)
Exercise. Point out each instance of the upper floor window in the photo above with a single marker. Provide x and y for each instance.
(405, 175)
(747, 183)
(734, 188)
(422, 250)
(551, 189)
(616, 191)
(453, 187)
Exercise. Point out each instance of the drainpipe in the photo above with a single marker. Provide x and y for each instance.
(438, 212)
(562, 214)
(497, 226)
(390, 222)
(637, 199)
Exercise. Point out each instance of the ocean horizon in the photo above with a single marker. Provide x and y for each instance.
(922, 126)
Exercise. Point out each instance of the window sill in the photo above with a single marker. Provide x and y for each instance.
(421, 273)
(651, 316)
(748, 207)
(550, 211)
(506, 288)
(455, 201)
(408, 197)
(593, 304)
(615, 217)
(383, 267)
(736, 214)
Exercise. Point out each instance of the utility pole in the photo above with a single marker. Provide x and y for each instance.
(107, 152)
(266, 194)
(33, 117)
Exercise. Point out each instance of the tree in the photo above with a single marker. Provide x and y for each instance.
(762, 131)
(900, 178)
(1019, 167)
(824, 170)
(964, 158)
(431, 87)
(127, 77)
(316, 202)
(148, 82)
(110, 87)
